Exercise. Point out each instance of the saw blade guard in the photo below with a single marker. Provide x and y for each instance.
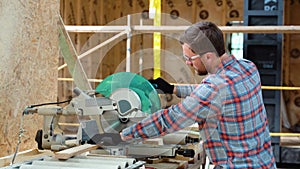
(129, 90)
(150, 101)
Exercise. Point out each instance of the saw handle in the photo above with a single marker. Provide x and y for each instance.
(186, 152)
(162, 86)
(106, 139)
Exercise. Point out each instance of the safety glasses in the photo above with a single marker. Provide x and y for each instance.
(190, 59)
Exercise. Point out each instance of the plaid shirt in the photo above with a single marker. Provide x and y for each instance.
(228, 107)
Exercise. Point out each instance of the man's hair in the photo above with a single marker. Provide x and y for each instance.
(203, 37)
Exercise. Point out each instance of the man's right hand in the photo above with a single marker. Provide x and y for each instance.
(162, 86)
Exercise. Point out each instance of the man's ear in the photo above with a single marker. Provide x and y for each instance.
(209, 55)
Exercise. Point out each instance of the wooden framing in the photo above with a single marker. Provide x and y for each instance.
(150, 29)
(166, 29)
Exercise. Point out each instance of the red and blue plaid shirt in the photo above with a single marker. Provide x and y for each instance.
(228, 107)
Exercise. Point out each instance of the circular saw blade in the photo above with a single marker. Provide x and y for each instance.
(111, 123)
(150, 101)
(148, 95)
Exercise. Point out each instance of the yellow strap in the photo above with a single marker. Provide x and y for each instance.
(286, 134)
(280, 88)
(155, 6)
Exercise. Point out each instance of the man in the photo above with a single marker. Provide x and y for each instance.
(227, 104)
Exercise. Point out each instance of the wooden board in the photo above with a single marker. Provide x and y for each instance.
(68, 153)
(167, 163)
(291, 63)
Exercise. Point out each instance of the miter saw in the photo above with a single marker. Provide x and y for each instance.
(119, 101)
(125, 99)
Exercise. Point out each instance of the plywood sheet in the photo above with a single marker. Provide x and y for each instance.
(28, 70)
(291, 63)
(208, 10)
(234, 10)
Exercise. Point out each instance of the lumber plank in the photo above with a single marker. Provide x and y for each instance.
(68, 153)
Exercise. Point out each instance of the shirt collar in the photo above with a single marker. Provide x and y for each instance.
(225, 61)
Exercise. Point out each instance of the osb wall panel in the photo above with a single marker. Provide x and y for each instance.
(211, 11)
(28, 68)
(234, 10)
(291, 63)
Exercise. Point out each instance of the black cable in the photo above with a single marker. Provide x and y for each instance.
(21, 131)
(50, 103)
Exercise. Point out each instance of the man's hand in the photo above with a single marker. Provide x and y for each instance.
(106, 139)
(162, 86)
(122, 137)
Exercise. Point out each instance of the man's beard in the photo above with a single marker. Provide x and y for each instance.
(201, 73)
